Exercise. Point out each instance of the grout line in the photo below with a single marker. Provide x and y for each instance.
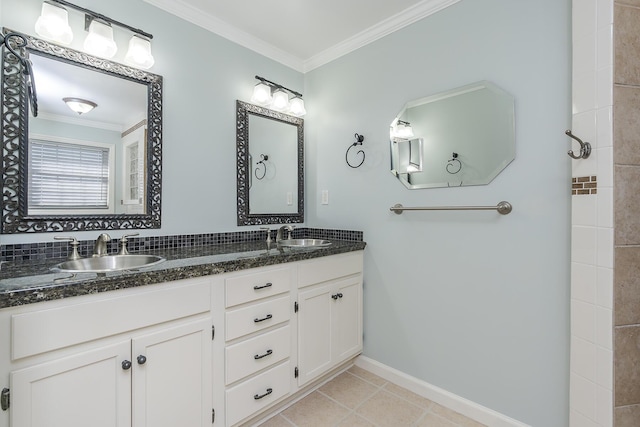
(285, 418)
(378, 389)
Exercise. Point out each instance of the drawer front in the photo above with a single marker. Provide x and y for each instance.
(332, 267)
(257, 393)
(256, 317)
(46, 330)
(255, 354)
(251, 287)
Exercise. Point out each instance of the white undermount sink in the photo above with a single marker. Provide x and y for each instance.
(107, 263)
(304, 243)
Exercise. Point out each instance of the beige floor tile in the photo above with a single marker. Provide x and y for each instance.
(433, 420)
(367, 376)
(315, 410)
(408, 395)
(354, 420)
(348, 389)
(388, 410)
(277, 421)
(454, 416)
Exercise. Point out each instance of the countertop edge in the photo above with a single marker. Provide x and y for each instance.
(122, 280)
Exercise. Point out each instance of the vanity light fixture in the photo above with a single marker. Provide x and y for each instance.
(404, 129)
(79, 105)
(53, 24)
(276, 97)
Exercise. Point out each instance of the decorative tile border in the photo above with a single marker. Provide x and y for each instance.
(583, 185)
(57, 249)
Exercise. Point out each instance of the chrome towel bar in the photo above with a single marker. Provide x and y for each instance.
(503, 208)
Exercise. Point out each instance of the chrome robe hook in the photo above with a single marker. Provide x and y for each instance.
(585, 147)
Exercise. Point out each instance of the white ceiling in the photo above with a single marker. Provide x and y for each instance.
(58, 79)
(302, 34)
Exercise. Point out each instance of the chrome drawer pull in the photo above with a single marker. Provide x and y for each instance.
(260, 356)
(263, 319)
(260, 396)
(267, 285)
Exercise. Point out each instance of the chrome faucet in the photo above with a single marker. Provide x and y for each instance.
(100, 247)
(279, 236)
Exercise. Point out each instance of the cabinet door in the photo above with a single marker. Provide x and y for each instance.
(87, 389)
(172, 377)
(347, 320)
(314, 332)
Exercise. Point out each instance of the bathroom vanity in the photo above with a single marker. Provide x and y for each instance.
(241, 336)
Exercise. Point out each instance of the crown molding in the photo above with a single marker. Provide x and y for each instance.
(393, 23)
(215, 25)
(229, 32)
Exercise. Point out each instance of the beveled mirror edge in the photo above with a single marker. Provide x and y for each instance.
(242, 165)
(15, 138)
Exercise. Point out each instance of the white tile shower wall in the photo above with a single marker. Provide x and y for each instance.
(592, 218)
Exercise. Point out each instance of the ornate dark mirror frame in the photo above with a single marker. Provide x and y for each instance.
(243, 111)
(15, 134)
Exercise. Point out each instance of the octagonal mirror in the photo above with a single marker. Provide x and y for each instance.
(464, 136)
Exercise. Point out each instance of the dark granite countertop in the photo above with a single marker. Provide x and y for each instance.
(33, 281)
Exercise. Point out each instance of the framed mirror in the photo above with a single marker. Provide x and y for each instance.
(74, 170)
(465, 136)
(270, 166)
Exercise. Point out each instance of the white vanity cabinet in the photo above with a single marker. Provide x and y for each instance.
(329, 313)
(220, 350)
(135, 357)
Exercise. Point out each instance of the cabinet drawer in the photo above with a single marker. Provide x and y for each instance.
(328, 268)
(251, 287)
(255, 354)
(256, 317)
(251, 396)
(46, 330)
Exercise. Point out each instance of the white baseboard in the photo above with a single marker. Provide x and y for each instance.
(459, 404)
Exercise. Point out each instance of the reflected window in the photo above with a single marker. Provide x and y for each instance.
(69, 175)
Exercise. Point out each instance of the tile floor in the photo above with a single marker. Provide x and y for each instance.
(358, 398)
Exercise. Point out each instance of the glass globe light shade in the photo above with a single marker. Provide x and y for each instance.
(261, 94)
(139, 53)
(53, 24)
(280, 100)
(296, 107)
(100, 40)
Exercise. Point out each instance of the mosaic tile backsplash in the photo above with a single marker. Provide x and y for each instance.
(60, 249)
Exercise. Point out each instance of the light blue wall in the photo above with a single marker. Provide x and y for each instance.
(473, 302)
(203, 75)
